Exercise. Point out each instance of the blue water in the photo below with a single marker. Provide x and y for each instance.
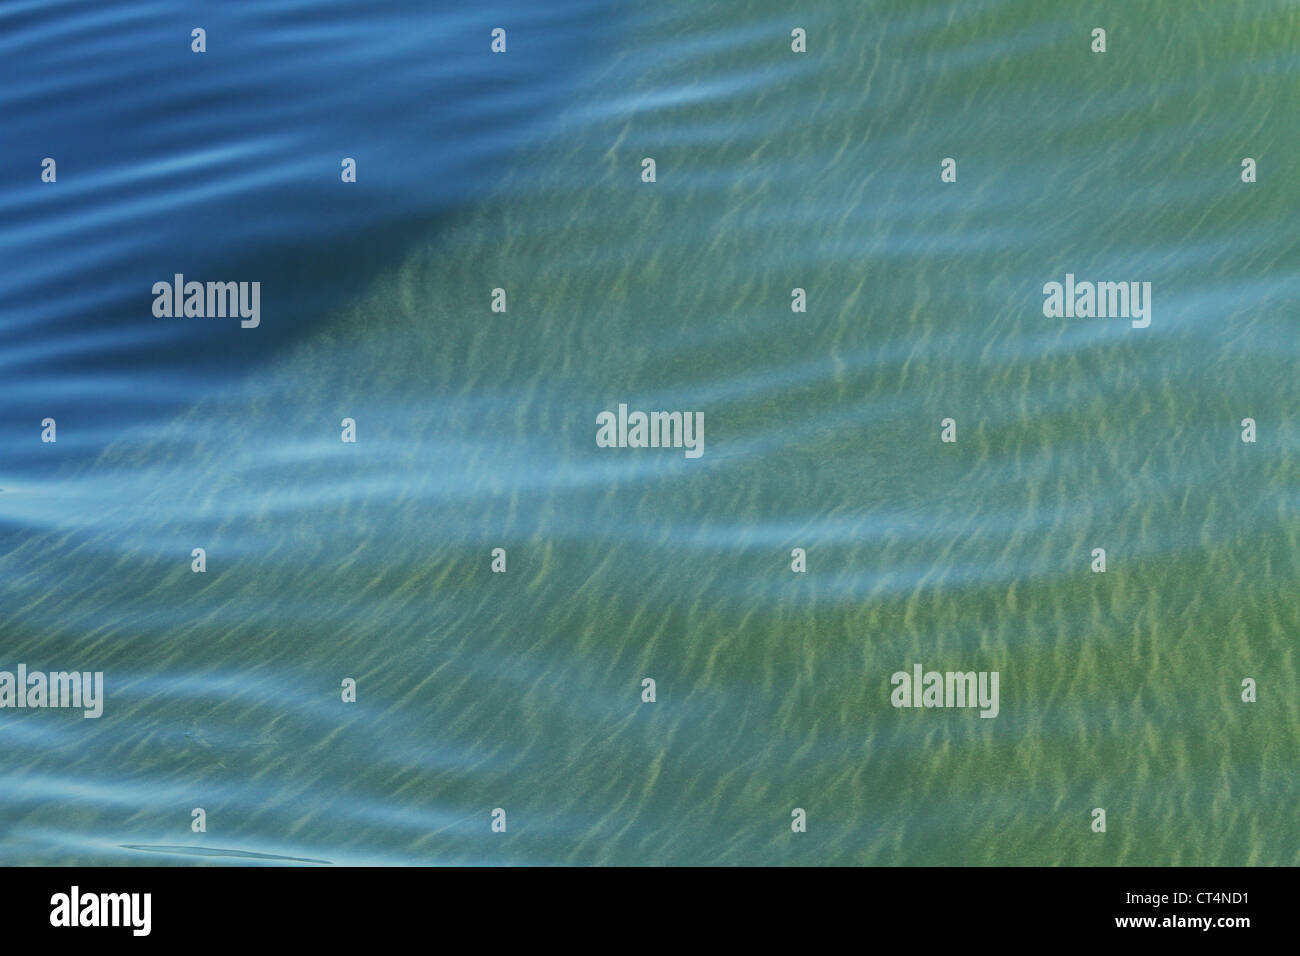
(522, 690)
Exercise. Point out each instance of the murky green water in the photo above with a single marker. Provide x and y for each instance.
(476, 430)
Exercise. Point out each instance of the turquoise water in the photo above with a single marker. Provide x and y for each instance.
(476, 430)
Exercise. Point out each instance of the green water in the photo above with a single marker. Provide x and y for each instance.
(476, 430)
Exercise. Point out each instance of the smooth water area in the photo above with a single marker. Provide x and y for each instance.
(476, 430)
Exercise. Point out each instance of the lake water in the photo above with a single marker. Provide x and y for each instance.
(475, 429)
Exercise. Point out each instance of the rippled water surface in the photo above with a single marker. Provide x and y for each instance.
(476, 430)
